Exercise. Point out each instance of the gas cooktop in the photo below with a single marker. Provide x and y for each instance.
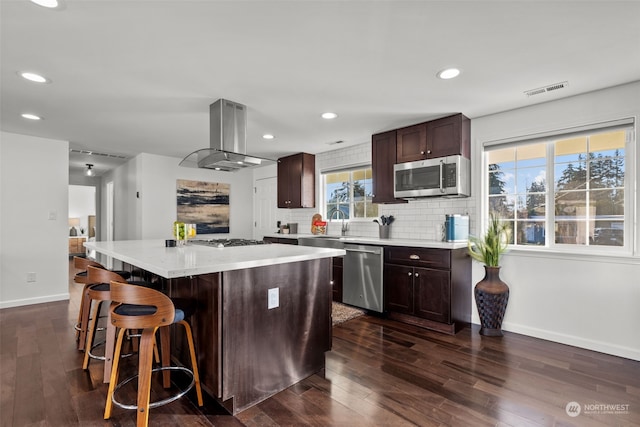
(223, 243)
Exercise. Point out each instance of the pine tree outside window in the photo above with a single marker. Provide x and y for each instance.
(563, 192)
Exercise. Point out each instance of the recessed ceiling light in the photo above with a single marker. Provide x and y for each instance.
(268, 136)
(329, 116)
(51, 4)
(31, 116)
(33, 77)
(448, 73)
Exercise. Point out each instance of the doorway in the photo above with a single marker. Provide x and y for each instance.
(265, 206)
(82, 215)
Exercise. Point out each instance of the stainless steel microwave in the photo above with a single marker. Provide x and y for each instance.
(445, 176)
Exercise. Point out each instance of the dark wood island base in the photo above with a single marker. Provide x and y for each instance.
(248, 352)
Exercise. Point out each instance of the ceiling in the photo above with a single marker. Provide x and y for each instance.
(129, 77)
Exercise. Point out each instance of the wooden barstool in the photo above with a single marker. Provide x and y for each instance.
(136, 307)
(98, 291)
(81, 264)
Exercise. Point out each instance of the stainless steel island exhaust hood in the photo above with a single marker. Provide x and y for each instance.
(228, 141)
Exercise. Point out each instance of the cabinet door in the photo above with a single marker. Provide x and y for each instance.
(449, 136)
(383, 157)
(412, 143)
(398, 289)
(296, 181)
(432, 294)
(306, 194)
(283, 182)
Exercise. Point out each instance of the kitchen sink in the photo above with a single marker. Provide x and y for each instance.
(323, 241)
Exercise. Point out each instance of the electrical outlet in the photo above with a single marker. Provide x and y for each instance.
(53, 215)
(274, 298)
(31, 277)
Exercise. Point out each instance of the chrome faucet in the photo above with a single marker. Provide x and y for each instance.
(345, 226)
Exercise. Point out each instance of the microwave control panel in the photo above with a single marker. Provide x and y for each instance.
(450, 178)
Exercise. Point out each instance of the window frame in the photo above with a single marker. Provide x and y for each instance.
(323, 192)
(550, 138)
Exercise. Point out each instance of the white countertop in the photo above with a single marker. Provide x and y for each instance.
(153, 256)
(414, 243)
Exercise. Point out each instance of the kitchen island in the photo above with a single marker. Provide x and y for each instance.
(263, 318)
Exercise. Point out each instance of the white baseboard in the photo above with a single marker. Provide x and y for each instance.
(30, 301)
(599, 346)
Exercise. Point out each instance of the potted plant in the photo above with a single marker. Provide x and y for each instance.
(491, 293)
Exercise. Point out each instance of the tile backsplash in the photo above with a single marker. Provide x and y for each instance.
(417, 219)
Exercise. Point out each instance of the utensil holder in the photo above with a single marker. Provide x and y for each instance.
(383, 231)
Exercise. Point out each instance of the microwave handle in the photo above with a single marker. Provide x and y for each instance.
(442, 190)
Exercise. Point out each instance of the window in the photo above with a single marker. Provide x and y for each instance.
(348, 191)
(566, 191)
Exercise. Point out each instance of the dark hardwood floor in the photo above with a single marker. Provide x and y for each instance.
(379, 373)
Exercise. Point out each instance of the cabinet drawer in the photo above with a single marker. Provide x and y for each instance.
(419, 257)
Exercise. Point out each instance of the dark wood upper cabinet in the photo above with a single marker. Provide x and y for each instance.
(383, 157)
(447, 136)
(412, 143)
(296, 181)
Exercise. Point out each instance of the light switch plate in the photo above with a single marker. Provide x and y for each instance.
(274, 298)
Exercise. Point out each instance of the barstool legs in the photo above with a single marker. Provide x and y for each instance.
(194, 361)
(113, 381)
(145, 367)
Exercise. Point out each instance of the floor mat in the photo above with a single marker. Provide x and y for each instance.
(341, 313)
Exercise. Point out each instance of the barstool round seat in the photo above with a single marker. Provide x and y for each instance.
(183, 308)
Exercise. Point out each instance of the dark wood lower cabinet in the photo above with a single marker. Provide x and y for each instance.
(436, 297)
(398, 289)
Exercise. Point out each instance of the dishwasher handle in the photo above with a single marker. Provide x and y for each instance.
(364, 251)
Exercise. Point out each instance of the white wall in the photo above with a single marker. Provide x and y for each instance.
(82, 203)
(30, 242)
(153, 178)
(586, 301)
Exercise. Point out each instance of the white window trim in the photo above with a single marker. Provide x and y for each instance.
(630, 251)
(322, 198)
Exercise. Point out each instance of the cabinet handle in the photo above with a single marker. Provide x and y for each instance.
(331, 282)
(417, 275)
(428, 151)
(409, 274)
(422, 152)
(414, 256)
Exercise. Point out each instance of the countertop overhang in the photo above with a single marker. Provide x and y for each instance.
(191, 260)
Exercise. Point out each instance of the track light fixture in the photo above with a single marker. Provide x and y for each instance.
(89, 171)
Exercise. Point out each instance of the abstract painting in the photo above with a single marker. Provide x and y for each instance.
(205, 204)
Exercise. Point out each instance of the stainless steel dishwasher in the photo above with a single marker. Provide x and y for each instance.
(362, 276)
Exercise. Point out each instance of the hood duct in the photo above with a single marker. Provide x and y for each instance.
(228, 141)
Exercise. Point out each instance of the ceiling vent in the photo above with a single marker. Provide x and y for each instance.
(95, 153)
(546, 89)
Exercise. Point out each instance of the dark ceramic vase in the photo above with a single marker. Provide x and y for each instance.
(492, 296)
